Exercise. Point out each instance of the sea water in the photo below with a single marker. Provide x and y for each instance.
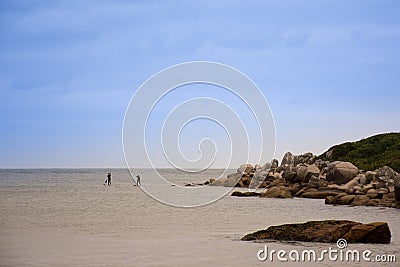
(68, 217)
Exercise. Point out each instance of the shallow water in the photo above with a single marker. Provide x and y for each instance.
(64, 217)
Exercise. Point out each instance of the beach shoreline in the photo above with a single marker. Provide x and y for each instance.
(69, 218)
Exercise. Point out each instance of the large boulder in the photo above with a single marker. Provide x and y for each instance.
(328, 231)
(360, 200)
(245, 168)
(288, 159)
(346, 199)
(288, 171)
(377, 232)
(278, 192)
(331, 200)
(312, 170)
(341, 172)
(385, 173)
(301, 173)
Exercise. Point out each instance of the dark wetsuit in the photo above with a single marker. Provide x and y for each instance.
(109, 178)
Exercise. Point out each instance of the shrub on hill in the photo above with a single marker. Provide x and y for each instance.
(370, 153)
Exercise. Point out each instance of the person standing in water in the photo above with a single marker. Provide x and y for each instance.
(138, 180)
(109, 178)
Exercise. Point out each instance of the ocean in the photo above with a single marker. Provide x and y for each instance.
(68, 217)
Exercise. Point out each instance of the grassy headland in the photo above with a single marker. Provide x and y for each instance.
(370, 153)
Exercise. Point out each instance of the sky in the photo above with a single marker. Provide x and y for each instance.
(68, 69)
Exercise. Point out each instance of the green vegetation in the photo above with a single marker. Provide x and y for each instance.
(370, 153)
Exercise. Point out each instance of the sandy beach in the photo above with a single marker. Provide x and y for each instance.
(68, 217)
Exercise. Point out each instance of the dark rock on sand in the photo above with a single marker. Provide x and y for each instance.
(360, 200)
(328, 231)
(278, 192)
(198, 184)
(346, 199)
(245, 194)
(330, 200)
(377, 232)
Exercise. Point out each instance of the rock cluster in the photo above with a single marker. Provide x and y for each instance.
(328, 231)
(307, 176)
(373, 188)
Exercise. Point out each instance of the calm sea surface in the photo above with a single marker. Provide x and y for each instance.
(67, 217)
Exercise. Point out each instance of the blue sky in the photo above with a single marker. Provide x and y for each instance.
(329, 69)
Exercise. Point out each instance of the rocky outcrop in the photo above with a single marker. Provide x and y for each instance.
(290, 159)
(358, 192)
(328, 231)
(372, 198)
(339, 183)
(248, 176)
(341, 172)
(385, 173)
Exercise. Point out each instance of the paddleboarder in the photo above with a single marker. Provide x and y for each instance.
(109, 178)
